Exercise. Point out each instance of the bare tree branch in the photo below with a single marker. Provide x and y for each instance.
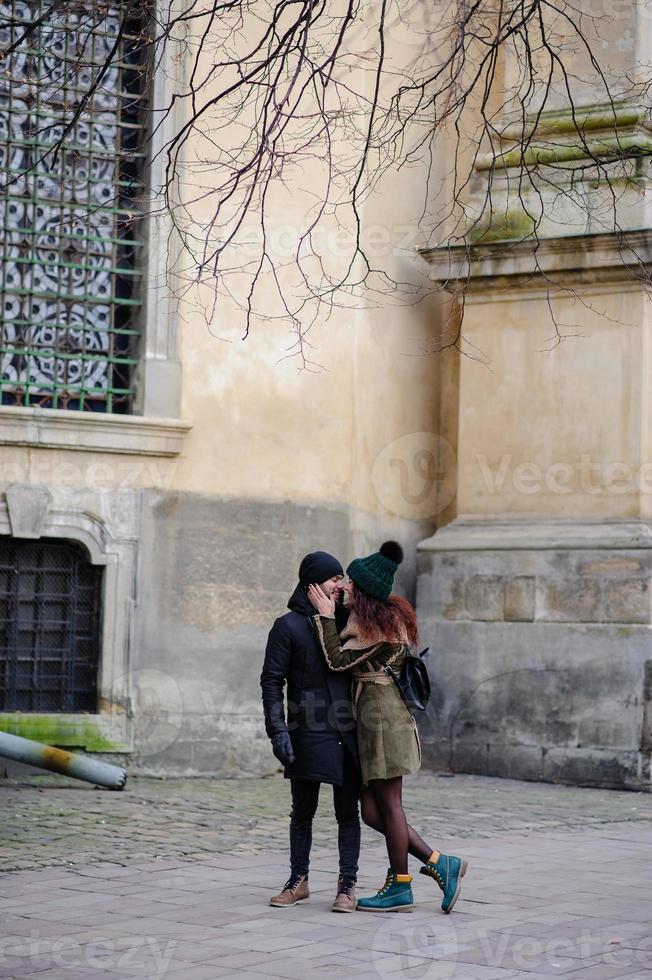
(303, 107)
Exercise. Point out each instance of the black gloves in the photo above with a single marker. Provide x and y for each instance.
(282, 748)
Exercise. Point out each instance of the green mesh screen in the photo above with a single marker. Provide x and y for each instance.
(71, 224)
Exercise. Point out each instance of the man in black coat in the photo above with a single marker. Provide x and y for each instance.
(317, 744)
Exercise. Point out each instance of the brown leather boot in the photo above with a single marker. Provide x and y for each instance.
(345, 898)
(294, 890)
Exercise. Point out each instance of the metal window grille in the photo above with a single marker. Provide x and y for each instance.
(71, 227)
(50, 618)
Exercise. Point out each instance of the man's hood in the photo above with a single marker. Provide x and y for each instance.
(300, 603)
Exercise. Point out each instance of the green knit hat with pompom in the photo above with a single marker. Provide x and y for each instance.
(375, 573)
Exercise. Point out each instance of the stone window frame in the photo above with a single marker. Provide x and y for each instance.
(28, 512)
(157, 428)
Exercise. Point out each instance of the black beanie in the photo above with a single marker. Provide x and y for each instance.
(318, 567)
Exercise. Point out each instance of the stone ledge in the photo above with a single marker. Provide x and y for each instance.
(52, 428)
(600, 132)
(501, 534)
(525, 260)
(565, 765)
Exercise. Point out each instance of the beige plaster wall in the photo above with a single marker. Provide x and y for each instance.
(616, 33)
(551, 428)
(263, 427)
(265, 424)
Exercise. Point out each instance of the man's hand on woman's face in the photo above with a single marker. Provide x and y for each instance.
(325, 605)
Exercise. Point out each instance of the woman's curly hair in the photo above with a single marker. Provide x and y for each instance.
(392, 618)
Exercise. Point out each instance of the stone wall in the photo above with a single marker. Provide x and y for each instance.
(542, 656)
(213, 576)
(192, 584)
(248, 454)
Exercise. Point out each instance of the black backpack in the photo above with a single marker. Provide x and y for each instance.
(413, 682)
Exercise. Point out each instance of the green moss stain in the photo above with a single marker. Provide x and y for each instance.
(585, 120)
(66, 731)
(513, 224)
(601, 150)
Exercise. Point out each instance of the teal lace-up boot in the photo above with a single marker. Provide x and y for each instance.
(448, 872)
(394, 896)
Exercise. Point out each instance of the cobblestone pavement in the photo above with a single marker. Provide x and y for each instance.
(47, 821)
(171, 880)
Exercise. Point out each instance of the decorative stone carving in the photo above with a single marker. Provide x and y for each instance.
(27, 507)
(573, 158)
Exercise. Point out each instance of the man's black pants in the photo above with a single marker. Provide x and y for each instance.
(305, 796)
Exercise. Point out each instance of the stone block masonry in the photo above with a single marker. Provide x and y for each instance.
(542, 657)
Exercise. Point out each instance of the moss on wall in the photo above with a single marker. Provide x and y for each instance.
(62, 730)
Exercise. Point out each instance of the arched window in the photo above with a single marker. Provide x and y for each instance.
(70, 226)
(50, 626)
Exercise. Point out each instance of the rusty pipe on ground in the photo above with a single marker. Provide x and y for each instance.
(58, 760)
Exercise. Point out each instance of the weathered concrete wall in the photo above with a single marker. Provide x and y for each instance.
(192, 585)
(541, 664)
(277, 462)
(280, 461)
(214, 574)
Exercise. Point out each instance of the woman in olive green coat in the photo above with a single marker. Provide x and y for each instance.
(378, 634)
(388, 742)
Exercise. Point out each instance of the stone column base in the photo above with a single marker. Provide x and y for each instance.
(541, 641)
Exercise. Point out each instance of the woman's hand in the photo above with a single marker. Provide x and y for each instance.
(325, 605)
